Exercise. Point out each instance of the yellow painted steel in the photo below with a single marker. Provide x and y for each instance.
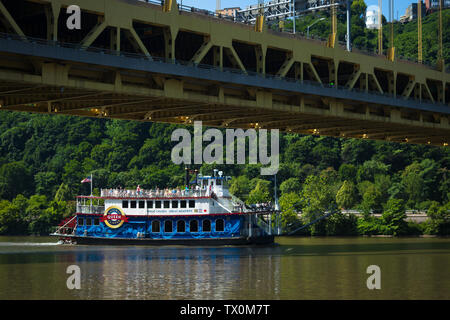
(419, 31)
(123, 94)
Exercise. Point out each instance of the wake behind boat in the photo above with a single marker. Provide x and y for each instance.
(206, 214)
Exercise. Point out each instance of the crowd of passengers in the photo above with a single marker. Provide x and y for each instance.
(177, 192)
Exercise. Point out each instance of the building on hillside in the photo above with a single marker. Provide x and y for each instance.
(231, 12)
(433, 5)
(411, 12)
(372, 17)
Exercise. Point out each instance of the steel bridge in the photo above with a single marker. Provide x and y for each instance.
(151, 61)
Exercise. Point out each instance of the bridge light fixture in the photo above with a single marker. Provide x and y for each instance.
(406, 139)
(445, 144)
(365, 136)
(316, 131)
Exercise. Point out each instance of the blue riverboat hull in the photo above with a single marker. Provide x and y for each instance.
(259, 240)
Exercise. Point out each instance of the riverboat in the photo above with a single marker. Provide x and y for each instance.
(204, 214)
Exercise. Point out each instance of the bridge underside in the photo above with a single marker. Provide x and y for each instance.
(196, 68)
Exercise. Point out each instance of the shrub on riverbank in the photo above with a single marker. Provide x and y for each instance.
(33, 216)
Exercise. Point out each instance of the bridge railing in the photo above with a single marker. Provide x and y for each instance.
(274, 77)
(299, 35)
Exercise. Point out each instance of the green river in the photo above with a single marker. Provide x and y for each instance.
(296, 268)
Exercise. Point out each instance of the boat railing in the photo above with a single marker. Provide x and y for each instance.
(65, 229)
(256, 226)
(90, 209)
(261, 223)
(164, 193)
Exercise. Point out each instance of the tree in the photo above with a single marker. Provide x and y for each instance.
(413, 184)
(291, 185)
(394, 217)
(371, 200)
(439, 222)
(370, 169)
(317, 199)
(290, 205)
(347, 172)
(346, 197)
(240, 187)
(46, 183)
(260, 193)
(15, 178)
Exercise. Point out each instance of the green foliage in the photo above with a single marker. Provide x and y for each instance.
(260, 193)
(340, 224)
(240, 187)
(290, 204)
(439, 222)
(346, 197)
(48, 156)
(393, 217)
(291, 185)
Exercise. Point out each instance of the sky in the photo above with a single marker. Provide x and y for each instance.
(399, 5)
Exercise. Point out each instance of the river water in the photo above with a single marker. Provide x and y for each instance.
(295, 268)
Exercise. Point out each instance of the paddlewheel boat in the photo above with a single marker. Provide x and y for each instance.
(206, 214)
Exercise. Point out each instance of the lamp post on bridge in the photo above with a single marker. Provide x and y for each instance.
(307, 28)
(293, 14)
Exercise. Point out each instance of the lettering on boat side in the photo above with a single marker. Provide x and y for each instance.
(74, 280)
(213, 153)
(114, 217)
(374, 281)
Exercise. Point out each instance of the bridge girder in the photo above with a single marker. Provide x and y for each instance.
(181, 67)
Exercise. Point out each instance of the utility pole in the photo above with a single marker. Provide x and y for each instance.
(380, 28)
(440, 61)
(293, 14)
(419, 31)
(349, 43)
(391, 52)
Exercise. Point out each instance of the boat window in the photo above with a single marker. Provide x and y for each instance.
(191, 203)
(96, 221)
(219, 225)
(174, 203)
(88, 221)
(193, 226)
(157, 204)
(132, 204)
(149, 204)
(141, 204)
(181, 226)
(183, 204)
(168, 226)
(166, 204)
(155, 226)
(80, 221)
(125, 204)
(206, 227)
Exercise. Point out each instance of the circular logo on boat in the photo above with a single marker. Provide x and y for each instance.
(114, 217)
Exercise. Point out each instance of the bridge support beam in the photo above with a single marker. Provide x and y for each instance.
(9, 20)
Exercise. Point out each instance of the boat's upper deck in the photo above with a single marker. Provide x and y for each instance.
(155, 194)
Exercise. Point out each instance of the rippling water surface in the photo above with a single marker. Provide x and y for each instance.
(295, 268)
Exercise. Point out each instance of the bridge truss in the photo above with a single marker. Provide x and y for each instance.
(146, 62)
